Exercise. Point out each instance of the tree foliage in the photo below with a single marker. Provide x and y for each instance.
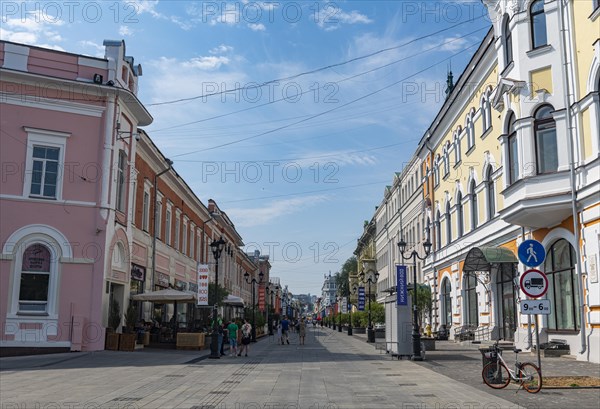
(342, 278)
(222, 293)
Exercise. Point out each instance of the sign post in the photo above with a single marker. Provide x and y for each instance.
(534, 284)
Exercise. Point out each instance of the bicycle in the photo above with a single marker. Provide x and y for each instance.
(497, 375)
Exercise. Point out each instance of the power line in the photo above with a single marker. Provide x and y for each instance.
(383, 50)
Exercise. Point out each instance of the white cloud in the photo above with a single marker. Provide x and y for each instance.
(206, 63)
(33, 28)
(221, 49)
(98, 49)
(125, 31)
(251, 217)
(332, 20)
(257, 27)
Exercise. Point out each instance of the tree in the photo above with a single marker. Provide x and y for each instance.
(343, 277)
(222, 294)
(424, 302)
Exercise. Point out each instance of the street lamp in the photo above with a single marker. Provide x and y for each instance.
(354, 290)
(416, 336)
(253, 281)
(340, 312)
(217, 247)
(372, 279)
(270, 292)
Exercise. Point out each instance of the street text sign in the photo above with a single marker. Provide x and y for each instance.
(361, 298)
(401, 290)
(533, 307)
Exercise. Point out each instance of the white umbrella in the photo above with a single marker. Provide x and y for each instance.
(233, 300)
(166, 296)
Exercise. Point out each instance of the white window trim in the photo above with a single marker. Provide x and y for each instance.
(184, 234)
(146, 216)
(46, 138)
(176, 242)
(159, 208)
(192, 240)
(168, 228)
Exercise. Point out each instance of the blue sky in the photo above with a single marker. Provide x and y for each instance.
(292, 115)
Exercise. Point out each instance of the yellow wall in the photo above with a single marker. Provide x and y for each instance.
(586, 134)
(542, 79)
(586, 32)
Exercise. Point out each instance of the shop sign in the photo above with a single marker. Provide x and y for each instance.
(180, 285)
(138, 272)
(161, 280)
(401, 290)
(202, 274)
(261, 298)
(361, 298)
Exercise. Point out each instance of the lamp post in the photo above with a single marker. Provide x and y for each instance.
(354, 290)
(340, 312)
(371, 279)
(253, 281)
(217, 248)
(269, 293)
(416, 335)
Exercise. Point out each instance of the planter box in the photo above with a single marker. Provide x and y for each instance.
(359, 330)
(127, 342)
(187, 340)
(112, 341)
(429, 343)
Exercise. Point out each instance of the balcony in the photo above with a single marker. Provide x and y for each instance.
(538, 201)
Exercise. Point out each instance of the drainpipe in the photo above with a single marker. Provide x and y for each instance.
(107, 157)
(169, 165)
(567, 93)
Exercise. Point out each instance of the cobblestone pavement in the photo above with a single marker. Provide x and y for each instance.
(332, 370)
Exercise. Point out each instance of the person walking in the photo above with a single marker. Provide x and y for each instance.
(285, 327)
(302, 331)
(232, 329)
(246, 331)
(279, 334)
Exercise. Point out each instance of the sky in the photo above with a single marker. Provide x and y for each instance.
(292, 115)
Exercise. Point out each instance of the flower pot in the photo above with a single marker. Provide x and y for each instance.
(112, 341)
(127, 342)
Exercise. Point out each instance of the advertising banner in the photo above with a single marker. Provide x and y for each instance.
(401, 290)
(261, 298)
(361, 298)
(203, 272)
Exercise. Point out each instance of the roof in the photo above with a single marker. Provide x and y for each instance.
(482, 258)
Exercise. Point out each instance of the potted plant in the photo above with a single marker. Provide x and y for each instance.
(127, 342)
(114, 320)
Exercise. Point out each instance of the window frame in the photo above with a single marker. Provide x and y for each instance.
(460, 225)
(120, 202)
(45, 138)
(508, 45)
(532, 27)
(490, 192)
(446, 295)
(146, 211)
(448, 224)
(474, 207)
(553, 294)
(513, 155)
(168, 223)
(538, 131)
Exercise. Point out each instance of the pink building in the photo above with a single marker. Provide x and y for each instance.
(68, 137)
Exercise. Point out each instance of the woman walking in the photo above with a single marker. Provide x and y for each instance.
(246, 331)
(302, 331)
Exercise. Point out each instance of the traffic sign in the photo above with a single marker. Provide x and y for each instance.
(534, 283)
(531, 307)
(531, 253)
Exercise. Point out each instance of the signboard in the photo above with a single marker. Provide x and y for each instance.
(401, 290)
(531, 253)
(261, 298)
(534, 283)
(138, 272)
(161, 280)
(344, 305)
(532, 307)
(202, 274)
(180, 285)
(361, 298)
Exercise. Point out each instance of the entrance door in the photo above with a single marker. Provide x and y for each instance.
(505, 289)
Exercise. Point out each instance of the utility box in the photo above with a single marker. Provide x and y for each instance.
(398, 327)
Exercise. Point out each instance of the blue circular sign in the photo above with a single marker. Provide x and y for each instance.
(532, 253)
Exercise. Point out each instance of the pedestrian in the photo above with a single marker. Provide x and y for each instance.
(279, 334)
(285, 326)
(246, 331)
(302, 331)
(232, 329)
(222, 337)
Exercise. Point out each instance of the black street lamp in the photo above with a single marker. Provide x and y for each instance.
(253, 281)
(270, 292)
(372, 279)
(217, 247)
(340, 312)
(354, 290)
(416, 334)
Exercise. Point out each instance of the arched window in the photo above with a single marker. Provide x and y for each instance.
(436, 171)
(428, 230)
(563, 287)
(474, 207)
(513, 150)
(508, 48)
(448, 224)
(539, 36)
(490, 193)
(438, 231)
(446, 303)
(35, 279)
(486, 113)
(457, 157)
(470, 132)
(446, 159)
(459, 215)
(545, 140)
(472, 312)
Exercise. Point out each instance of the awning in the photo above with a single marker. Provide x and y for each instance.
(234, 301)
(482, 258)
(167, 295)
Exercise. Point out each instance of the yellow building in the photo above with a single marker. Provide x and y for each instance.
(513, 155)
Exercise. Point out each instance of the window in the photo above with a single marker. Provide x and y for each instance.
(459, 215)
(508, 48)
(539, 36)
(595, 4)
(121, 179)
(146, 211)
(184, 248)
(471, 298)
(428, 230)
(563, 288)
(446, 303)
(158, 221)
(177, 232)
(457, 157)
(474, 208)
(486, 113)
(35, 279)
(436, 171)
(168, 226)
(438, 231)
(490, 192)
(513, 151)
(470, 132)
(448, 224)
(44, 174)
(446, 159)
(192, 235)
(545, 140)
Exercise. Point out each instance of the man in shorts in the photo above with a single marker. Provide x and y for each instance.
(232, 329)
(285, 326)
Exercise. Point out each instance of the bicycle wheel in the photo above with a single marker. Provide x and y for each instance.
(530, 377)
(496, 375)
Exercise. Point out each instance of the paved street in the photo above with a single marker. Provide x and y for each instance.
(332, 370)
